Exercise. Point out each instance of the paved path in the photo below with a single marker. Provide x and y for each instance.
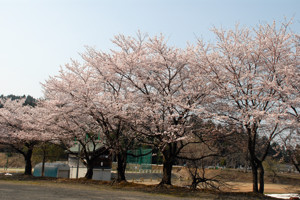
(30, 191)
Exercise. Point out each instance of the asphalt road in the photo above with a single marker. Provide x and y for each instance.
(30, 191)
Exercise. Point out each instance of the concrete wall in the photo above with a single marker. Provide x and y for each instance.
(63, 174)
(102, 174)
(98, 174)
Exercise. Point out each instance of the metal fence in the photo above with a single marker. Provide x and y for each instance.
(142, 157)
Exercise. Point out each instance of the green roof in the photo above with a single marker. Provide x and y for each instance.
(74, 148)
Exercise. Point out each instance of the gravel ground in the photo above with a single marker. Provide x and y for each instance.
(29, 191)
(22, 187)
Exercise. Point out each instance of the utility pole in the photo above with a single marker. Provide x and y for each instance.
(78, 159)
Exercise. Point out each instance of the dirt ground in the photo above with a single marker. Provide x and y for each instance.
(28, 188)
(237, 181)
(270, 188)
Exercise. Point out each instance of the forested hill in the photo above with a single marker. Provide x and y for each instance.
(29, 99)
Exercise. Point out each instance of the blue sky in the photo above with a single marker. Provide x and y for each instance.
(39, 36)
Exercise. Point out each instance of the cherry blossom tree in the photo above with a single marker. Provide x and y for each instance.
(249, 70)
(71, 127)
(147, 91)
(111, 108)
(162, 92)
(21, 128)
(289, 90)
(69, 120)
(87, 101)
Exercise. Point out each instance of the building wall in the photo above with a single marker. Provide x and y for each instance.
(81, 172)
(102, 170)
(98, 174)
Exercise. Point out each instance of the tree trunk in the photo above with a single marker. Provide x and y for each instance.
(251, 150)
(254, 179)
(167, 168)
(295, 163)
(167, 173)
(121, 162)
(261, 178)
(28, 166)
(90, 169)
(194, 184)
